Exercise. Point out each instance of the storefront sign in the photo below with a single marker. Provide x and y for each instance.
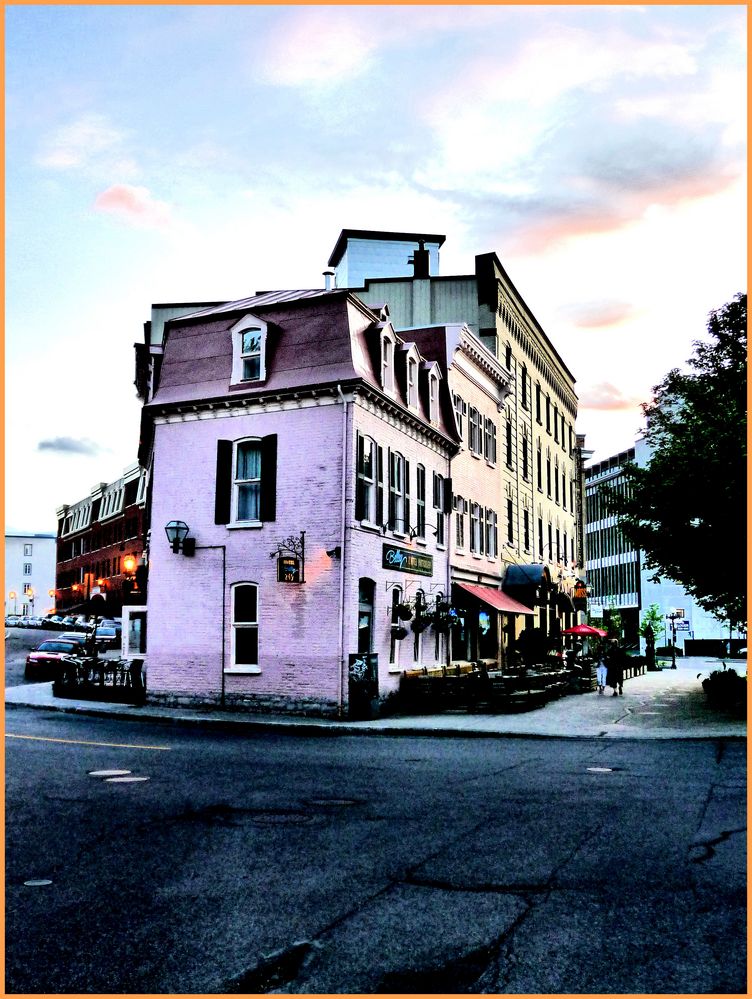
(579, 596)
(405, 560)
(288, 569)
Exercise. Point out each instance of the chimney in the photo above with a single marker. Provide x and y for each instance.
(328, 275)
(420, 260)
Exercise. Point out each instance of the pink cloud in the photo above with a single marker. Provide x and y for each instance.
(134, 205)
(606, 396)
(596, 315)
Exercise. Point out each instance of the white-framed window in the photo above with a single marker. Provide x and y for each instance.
(420, 501)
(246, 486)
(509, 437)
(489, 441)
(475, 432)
(249, 350)
(475, 528)
(28, 550)
(27, 569)
(412, 383)
(397, 492)
(460, 509)
(433, 397)
(510, 522)
(556, 481)
(244, 604)
(564, 489)
(526, 529)
(492, 533)
(460, 412)
(387, 363)
(365, 498)
(438, 505)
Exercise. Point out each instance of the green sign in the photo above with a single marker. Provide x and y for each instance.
(405, 560)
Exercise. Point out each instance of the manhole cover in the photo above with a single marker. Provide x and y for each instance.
(124, 780)
(37, 882)
(282, 819)
(108, 773)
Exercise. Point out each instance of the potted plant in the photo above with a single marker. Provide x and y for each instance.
(398, 632)
(404, 611)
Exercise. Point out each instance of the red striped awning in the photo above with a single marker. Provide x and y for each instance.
(495, 598)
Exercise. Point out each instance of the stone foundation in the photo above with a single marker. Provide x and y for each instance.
(307, 707)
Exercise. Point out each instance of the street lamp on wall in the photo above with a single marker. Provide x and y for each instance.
(177, 535)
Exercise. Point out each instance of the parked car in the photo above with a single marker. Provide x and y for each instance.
(107, 638)
(47, 659)
(34, 622)
(54, 621)
(12, 621)
(79, 637)
(69, 621)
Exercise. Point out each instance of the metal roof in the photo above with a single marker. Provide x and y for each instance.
(261, 298)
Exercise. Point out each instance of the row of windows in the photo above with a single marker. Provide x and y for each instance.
(607, 541)
(510, 321)
(400, 517)
(483, 534)
(481, 431)
(598, 501)
(614, 580)
(111, 534)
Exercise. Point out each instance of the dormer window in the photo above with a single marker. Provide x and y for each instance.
(248, 350)
(387, 363)
(412, 383)
(433, 397)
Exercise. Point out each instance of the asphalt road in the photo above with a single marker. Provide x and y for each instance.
(273, 862)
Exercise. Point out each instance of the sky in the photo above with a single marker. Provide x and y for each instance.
(202, 153)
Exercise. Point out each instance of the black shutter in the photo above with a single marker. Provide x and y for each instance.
(268, 504)
(390, 480)
(406, 525)
(223, 484)
(360, 492)
(447, 495)
(379, 486)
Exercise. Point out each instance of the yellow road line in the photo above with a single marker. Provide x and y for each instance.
(82, 742)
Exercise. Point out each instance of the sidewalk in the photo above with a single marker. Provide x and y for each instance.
(665, 705)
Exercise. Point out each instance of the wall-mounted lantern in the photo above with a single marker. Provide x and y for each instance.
(177, 535)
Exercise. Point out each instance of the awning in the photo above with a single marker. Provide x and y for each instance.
(495, 598)
(564, 603)
(528, 584)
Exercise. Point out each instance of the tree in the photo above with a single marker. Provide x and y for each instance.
(686, 508)
(652, 618)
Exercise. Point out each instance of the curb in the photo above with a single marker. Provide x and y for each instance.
(349, 728)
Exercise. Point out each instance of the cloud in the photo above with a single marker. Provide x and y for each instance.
(70, 445)
(134, 205)
(595, 315)
(316, 47)
(606, 396)
(83, 143)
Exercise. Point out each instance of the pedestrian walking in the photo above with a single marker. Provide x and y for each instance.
(600, 675)
(615, 669)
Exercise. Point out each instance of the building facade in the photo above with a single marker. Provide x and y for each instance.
(101, 541)
(540, 463)
(29, 574)
(306, 447)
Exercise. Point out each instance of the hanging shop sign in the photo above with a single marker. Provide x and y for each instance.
(288, 569)
(404, 560)
(579, 596)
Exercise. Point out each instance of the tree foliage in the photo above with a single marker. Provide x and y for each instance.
(686, 509)
(652, 618)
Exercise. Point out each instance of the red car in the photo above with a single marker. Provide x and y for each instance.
(46, 659)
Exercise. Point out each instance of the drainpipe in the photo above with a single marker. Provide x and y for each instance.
(342, 555)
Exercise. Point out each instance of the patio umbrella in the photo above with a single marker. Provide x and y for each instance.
(585, 629)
